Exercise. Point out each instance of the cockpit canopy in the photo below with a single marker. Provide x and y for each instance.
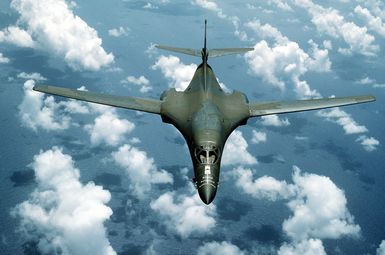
(207, 154)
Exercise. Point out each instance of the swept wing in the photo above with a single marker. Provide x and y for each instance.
(260, 109)
(134, 103)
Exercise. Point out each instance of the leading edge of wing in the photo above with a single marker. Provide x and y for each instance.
(139, 104)
(260, 109)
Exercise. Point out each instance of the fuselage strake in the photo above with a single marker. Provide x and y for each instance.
(205, 115)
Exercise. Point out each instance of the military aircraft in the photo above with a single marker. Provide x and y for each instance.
(203, 113)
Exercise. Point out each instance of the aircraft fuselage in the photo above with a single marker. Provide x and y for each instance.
(206, 116)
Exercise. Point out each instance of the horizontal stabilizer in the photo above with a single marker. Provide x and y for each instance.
(211, 53)
(133, 103)
(228, 51)
(260, 109)
(187, 51)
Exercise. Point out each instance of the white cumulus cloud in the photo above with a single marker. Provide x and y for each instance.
(267, 31)
(373, 23)
(274, 121)
(3, 59)
(62, 214)
(173, 69)
(214, 7)
(141, 81)
(138, 81)
(211, 6)
(224, 248)
(281, 4)
(350, 126)
(329, 21)
(108, 128)
(263, 187)
(54, 28)
(258, 137)
(31, 76)
(39, 112)
(150, 6)
(17, 36)
(117, 32)
(235, 151)
(376, 7)
(75, 107)
(365, 81)
(185, 214)
(304, 247)
(344, 119)
(285, 59)
(141, 169)
(381, 249)
(369, 143)
(318, 207)
(369, 81)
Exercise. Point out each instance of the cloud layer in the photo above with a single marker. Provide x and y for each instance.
(350, 126)
(114, 134)
(343, 119)
(63, 215)
(39, 112)
(224, 248)
(258, 137)
(172, 68)
(141, 169)
(284, 59)
(141, 81)
(235, 151)
(318, 208)
(328, 21)
(51, 26)
(274, 121)
(17, 36)
(185, 214)
(3, 59)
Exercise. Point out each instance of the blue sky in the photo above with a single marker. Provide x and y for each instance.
(79, 178)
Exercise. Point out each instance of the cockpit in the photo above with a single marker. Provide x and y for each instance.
(207, 154)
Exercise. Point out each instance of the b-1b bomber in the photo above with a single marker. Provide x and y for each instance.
(203, 113)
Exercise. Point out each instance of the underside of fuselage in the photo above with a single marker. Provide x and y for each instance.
(205, 115)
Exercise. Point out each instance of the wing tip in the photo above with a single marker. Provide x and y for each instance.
(39, 88)
(366, 98)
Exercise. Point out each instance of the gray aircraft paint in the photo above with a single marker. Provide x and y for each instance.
(204, 113)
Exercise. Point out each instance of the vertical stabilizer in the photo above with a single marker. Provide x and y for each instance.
(205, 34)
(205, 53)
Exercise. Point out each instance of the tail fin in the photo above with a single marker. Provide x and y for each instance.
(205, 53)
(204, 44)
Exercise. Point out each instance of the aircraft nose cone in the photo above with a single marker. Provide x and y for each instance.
(207, 193)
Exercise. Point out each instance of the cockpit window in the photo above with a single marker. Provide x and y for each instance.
(212, 157)
(202, 156)
(207, 154)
